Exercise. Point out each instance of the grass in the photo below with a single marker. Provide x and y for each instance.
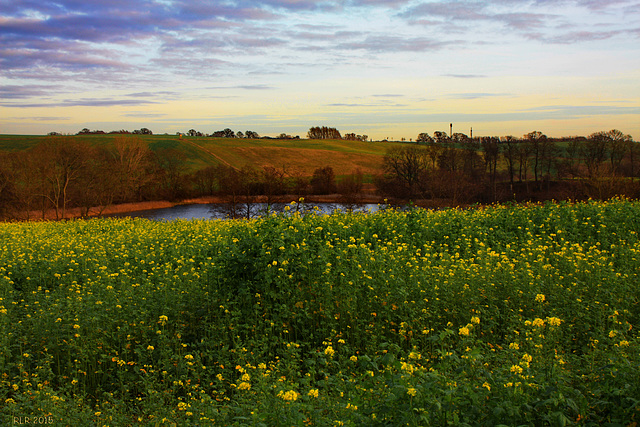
(300, 156)
(511, 315)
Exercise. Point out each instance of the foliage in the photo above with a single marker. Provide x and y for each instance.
(511, 315)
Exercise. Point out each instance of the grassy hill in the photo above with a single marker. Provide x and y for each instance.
(300, 156)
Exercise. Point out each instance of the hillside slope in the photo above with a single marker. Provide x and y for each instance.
(297, 156)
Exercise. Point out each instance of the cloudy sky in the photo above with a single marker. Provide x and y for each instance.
(385, 68)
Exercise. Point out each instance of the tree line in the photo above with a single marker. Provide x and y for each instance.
(488, 169)
(62, 173)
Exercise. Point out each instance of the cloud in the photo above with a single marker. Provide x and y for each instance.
(577, 36)
(86, 102)
(24, 92)
(388, 43)
(475, 95)
(465, 76)
(43, 119)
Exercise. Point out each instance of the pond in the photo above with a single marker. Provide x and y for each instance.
(222, 211)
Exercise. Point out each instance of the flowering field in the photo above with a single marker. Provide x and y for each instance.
(515, 315)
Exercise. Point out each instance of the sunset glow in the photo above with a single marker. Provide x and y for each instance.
(385, 68)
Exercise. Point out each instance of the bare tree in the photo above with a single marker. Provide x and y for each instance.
(407, 166)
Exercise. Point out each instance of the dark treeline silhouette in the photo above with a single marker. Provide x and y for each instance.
(61, 173)
(489, 169)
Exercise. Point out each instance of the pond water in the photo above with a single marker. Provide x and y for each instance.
(221, 211)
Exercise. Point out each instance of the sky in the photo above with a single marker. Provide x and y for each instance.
(385, 68)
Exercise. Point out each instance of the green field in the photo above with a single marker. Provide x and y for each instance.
(505, 315)
(301, 156)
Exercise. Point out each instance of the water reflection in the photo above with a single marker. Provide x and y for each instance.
(242, 210)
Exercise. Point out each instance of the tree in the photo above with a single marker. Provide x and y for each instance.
(350, 189)
(323, 181)
(537, 141)
(618, 147)
(491, 151)
(251, 135)
(61, 161)
(510, 155)
(7, 187)
(323, 133)
(424, 138)
(460, 138)
(408, 167)
(133, 167)
(441, 137)
(594, 153)
(205, 181)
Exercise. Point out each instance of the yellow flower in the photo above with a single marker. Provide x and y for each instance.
(514, 346)
(538, 322)
(411, 391)
(246, 377)
(540, 298)
(163, 320)
(516, 369)
(288, 395)
(612, 334)
(554, 321)
(244, 386)
(150, 348)
(475, 320)
(329, 351)
(487, 386)
(407, 367)
(464, 331)
(353, 358)
(188, 357)
(313, 392)
(624, 343)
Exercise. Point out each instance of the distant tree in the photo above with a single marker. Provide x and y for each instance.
(251, 134)
(407, 166)
(441, 137)
(59, 161)
(350, 190)
(172, 168)
(205, 181)
(133, 168)
(594, 153)
(491, 150)
(510, 155)
(424, 138)
(323, 181)
(618, 147)
(323, 132)
(8, 197)
(539, 145)
(228, 133)
(192, 132)
(460, 138)
(239, 134)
